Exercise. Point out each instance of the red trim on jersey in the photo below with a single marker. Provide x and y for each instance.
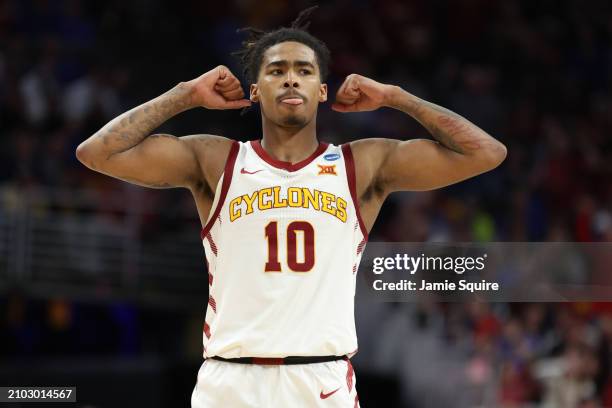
(227, 179)
(350, 174)
(360, 247)
(256, 144)
(212, 303)
(210, 276)
(207, 330)
(210, 239)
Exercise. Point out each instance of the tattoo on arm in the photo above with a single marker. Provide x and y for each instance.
(130, 128)
(450, 129)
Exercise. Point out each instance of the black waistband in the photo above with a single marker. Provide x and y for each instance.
(281, 360)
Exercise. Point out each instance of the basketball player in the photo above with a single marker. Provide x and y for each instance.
(285, 217)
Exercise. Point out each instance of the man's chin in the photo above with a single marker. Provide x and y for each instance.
(293, 121)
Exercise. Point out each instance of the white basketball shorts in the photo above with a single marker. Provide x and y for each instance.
(222, 384)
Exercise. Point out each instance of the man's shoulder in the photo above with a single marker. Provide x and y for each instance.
(211, 152)
(208, 143)
(209, 148)
(369, 157)
(371, 150)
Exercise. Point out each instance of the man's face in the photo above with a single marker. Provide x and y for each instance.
(289, 69)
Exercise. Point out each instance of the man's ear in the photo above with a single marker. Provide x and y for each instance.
(323, 93)
(254, 93)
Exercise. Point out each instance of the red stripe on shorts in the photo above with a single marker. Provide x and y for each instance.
(349, 375)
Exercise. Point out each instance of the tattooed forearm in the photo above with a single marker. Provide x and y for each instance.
(130, 128)
(450, 129)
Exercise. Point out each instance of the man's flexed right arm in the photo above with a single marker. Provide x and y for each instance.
(125, 149)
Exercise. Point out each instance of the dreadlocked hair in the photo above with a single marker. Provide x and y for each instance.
(258, 41)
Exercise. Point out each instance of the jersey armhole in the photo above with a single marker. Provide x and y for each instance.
(350, 174)
(227, 179)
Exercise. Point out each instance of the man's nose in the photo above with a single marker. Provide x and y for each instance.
(291, 81)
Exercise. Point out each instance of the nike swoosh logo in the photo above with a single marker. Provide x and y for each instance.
(243, 171)
(323, 396)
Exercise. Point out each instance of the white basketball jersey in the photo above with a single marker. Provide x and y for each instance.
(283, 242)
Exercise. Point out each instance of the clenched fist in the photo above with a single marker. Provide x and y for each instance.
(359, 94)
(217, 89)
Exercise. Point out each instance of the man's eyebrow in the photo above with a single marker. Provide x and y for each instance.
(299, 63)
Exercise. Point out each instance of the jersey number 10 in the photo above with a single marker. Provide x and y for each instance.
(273, 265)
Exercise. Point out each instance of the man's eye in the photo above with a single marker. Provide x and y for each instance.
(274, 71)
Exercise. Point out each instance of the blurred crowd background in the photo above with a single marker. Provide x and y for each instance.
(535, 74)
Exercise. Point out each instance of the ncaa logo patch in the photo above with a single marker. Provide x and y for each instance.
(331, 156)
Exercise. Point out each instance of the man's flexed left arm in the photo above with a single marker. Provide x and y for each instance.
(460, 150)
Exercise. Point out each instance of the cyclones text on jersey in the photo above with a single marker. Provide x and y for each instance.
(270, 197)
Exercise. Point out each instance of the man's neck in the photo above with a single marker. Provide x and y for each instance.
(290, 144)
